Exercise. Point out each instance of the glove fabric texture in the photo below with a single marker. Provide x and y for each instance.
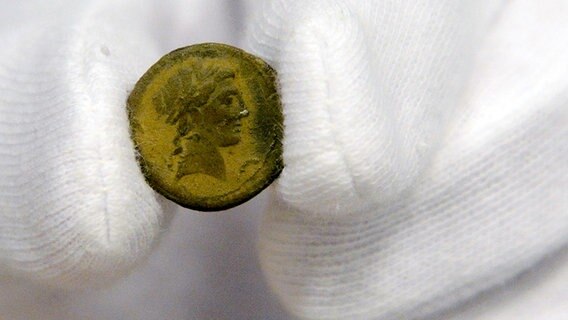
(426, 152)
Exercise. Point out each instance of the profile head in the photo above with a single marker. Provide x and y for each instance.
(203, 100)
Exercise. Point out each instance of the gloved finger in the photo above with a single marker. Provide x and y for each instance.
(367, 88)
(490, 204)
(74, 207)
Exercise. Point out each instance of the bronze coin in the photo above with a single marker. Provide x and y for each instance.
(206, 121)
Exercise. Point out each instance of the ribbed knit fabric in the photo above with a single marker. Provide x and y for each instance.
(425, 148)
(74, 207)
(426, 151)
(369, 88)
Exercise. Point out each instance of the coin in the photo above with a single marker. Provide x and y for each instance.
(206, 121)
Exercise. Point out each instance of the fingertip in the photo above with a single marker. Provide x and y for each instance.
(340, 134)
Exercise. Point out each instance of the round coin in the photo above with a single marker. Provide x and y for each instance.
(206, 121)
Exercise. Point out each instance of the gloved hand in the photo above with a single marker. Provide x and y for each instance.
(425, 147)
(75, 210)
(426, 151)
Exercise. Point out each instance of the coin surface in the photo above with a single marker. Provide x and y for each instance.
(206, 121)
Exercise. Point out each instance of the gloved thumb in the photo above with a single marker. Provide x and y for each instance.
(74, 207)
(367, 93)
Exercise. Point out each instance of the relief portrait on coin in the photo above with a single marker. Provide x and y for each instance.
(204, 104)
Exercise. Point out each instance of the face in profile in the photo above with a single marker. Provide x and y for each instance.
(207, 108)
(222, 118)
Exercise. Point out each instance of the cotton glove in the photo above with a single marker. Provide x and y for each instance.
(425, 147)
(75, 210)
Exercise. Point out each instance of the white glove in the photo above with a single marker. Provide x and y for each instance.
(426, 151)
(456, 190)
(74, 207)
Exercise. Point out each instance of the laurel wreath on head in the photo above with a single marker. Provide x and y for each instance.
(187, 91)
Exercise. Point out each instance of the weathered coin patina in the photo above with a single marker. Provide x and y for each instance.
(207, 123)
